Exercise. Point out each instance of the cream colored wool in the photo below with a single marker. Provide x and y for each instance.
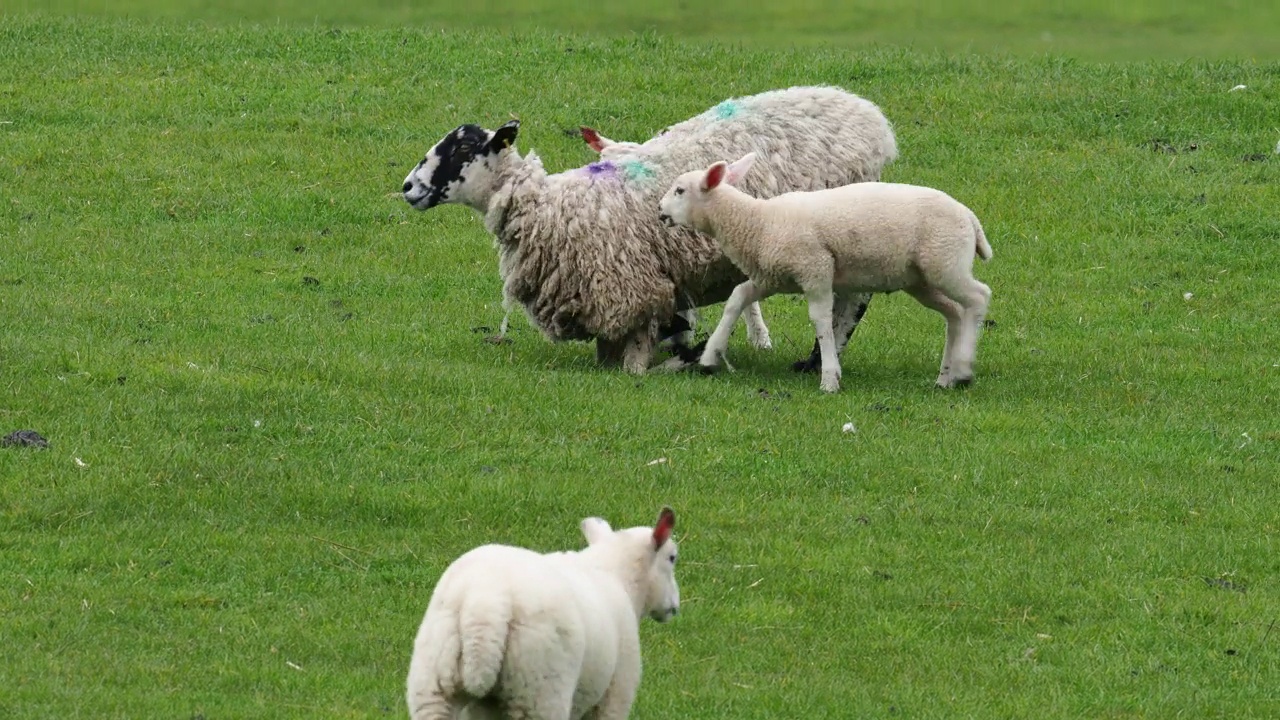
(827, 244)
(511, 633)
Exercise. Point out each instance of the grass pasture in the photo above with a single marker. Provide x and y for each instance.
(1089, 29)
(273, 421)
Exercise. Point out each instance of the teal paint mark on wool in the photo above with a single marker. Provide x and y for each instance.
(726, 109)
(638, 171)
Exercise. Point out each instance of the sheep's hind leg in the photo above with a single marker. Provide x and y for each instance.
(820, 303)
(482, 710)
(680, 330)
(847, 312)
(757, 331)
(609, 352)
(742, 296)
(433, 705)
(621, 694)
(546, 703)
(973, 301)
(934, 299)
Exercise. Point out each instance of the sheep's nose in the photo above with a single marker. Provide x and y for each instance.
(407, 187)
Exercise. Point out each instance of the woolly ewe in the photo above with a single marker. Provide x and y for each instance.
(829, 244)
(511, 633)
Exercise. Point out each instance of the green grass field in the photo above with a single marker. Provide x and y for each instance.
(273, 419)
(1094, 29)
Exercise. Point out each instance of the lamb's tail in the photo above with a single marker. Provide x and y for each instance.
(483, 624)
(983, 248)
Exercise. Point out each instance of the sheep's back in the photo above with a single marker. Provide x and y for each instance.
(806, 138)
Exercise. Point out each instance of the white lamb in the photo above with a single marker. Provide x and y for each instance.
(511, 633)
(583, 252)
(830, 244)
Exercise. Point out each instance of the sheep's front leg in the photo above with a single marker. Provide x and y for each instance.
(638, 352)
(820, 301)
(742, 296)
(847, 312)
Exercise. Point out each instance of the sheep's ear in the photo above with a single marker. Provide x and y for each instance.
(662, 530)
(715, 176)
(740, 168)
(595, 529)
(594, 140)
(505, 136)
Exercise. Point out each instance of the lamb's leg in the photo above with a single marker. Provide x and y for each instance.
(847, 312)
(974, 298)
(820, 302)
(539, 697)
(743, 295)
(757, 331)
(935, 300)
(486, 709)
(621, 693)
(429, 703)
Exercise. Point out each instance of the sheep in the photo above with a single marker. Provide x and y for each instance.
(582, 250)
(829, 244)
(511, 633)
(757, 331)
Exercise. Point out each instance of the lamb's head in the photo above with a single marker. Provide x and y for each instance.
(646, 556)
(685, 201)
(461, 168)
(607, 148)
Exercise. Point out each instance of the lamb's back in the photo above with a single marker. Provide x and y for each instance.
(878, 233)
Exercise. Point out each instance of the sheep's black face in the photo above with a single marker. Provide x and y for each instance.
(458, 160)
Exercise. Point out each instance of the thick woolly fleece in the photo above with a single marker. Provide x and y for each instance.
(513, 633)
(584, 253)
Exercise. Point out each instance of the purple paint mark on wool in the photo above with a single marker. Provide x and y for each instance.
(604, 167)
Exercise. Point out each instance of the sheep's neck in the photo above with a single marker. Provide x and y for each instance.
(514, 180)
(627, 570)
(735, 220)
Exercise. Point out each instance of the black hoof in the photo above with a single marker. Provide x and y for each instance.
(690, 354)
(706, 369)
(808, 365)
